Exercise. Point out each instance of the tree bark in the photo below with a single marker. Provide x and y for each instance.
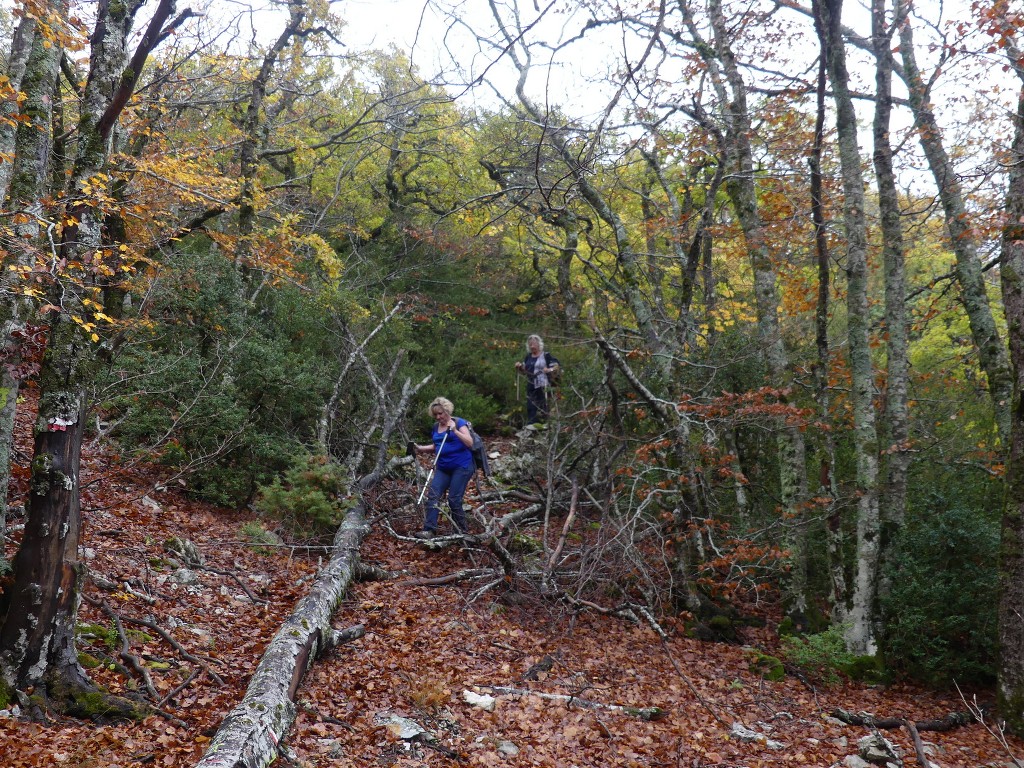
(861, 631)
(251, 732)
(963, 239)
(826, 459)
(896, 418)
(27, 175)
(1011, 561)
(40, 608)
(742, 190)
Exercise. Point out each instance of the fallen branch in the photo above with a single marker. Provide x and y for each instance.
(451, 578)
(251, 733)
(644, 713)
(922, 758)
(948, 723)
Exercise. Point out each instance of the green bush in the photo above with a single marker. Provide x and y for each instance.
(942, 603)
(821, 657)
(310, 501)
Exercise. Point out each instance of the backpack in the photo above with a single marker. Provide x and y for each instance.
(555, 377)
(479, 451)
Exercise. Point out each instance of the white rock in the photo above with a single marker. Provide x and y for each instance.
(402, 727)
(185, 576)
(477, 700)
(507, 749)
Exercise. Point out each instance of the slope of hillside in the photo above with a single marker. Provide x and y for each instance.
(568, 690)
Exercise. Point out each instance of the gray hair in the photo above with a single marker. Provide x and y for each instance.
(444, 403)
(538, 339)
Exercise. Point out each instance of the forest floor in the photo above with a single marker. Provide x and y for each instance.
(423, 648)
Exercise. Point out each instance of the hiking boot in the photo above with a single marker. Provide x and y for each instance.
(424, 534)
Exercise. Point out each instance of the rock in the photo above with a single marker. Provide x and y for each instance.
(402, 727)
(186, 550)
(507, 749)
(852, 761)
(743, 733)
(185, 577)
(480, 701)
(148, 502)
(875, 748)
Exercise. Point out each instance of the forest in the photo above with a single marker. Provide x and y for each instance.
(776, 246)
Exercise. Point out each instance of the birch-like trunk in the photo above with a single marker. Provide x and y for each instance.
(963, 240)
(1011, 562)
(896, 417)
(860, 629)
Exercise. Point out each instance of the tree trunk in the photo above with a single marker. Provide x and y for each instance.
(27, 176)
(21, 47)
(40, 608)
(861, 632)
(742, 190)
(826, 459)
(1011, 562)
(250, 733)
(963, 240)
(896, 418)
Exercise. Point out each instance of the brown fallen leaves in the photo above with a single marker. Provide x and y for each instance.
(423, 647)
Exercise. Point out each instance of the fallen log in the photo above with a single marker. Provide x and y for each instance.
(250, 735)
(947, 723)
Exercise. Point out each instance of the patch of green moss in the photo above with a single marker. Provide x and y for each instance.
(7, 696)
(88, 661)
(100, 633)
(866, 669)
(139, 636)
(765, 666)
(524, 545)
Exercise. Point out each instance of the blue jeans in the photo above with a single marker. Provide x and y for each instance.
(454, 481)
(536, 404)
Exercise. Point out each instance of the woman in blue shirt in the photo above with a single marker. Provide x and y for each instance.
(453, 466)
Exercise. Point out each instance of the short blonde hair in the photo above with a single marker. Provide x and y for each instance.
(444, 403)
(538, 339)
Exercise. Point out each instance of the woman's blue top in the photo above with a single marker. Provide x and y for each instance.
(454, 454)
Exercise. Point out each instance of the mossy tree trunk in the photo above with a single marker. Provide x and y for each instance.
(1011, 562)
(895, 426)
(962, 238)
(861, 628)
(37, 648)
(25, 188)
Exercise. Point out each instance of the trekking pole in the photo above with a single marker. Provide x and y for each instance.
(432, 466)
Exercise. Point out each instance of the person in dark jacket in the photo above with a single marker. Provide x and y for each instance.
(453, 466)
(539, 367)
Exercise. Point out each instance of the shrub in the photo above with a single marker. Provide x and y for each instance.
(310, 501)
(941, 606)
(821, 657)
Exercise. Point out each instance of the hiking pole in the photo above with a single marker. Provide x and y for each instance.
(432, 467)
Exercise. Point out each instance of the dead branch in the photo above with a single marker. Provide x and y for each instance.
(565, 530)
(948, 723)
(367, 572)
(451, 578)
(922, 758)
(644, 713)
(167, 638)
